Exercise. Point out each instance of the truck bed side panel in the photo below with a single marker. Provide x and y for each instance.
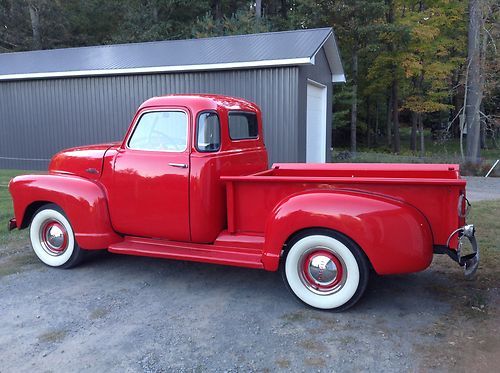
(395, 237)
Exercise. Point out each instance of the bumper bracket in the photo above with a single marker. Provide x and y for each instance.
(12, 224)
(470, 262)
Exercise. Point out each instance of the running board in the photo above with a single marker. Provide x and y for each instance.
(234, 256)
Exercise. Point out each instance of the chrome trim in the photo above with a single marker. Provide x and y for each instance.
(53, 240)
(179, 165)
(470, 262)
(55, 237)
(322, 270)
(307, 284)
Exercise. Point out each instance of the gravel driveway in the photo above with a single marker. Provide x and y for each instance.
(128, 314)
(480, 188)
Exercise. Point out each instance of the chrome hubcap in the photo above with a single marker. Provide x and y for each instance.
(54, 238)
(322, 271)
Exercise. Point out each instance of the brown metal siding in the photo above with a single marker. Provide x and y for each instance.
(40, 117)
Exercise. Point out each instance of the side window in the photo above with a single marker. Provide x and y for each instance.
(208, 132)
(243, 126)
(160, 130)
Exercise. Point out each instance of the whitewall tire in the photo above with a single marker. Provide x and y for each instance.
(52, 238)
(325, 270)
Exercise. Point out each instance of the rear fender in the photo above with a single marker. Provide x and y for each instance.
(395, 236)
(83, 201)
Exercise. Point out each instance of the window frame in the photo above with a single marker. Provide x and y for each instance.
(242, 112)
(198, 127)
(138, 119)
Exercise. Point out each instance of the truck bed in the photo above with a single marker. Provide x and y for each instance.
(432, 189)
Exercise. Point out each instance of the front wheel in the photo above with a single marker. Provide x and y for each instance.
(325, 270)
(52, 238)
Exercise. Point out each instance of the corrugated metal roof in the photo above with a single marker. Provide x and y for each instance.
(226, 52)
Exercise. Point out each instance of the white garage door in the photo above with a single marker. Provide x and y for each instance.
(316, 123)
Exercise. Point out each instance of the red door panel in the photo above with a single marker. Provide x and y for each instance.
(150, 183)
(150, 195)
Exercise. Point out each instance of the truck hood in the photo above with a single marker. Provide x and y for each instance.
(84, 161)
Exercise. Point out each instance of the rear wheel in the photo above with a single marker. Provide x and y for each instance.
(325, 270)
(52, 238)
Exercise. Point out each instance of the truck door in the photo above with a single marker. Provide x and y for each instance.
(150, 194)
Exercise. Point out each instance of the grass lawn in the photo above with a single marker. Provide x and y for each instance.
(485, 215)
(6, 210)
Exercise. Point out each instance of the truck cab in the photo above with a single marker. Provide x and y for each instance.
(164, 180)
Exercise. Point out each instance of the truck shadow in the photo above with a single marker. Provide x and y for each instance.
(414, 293)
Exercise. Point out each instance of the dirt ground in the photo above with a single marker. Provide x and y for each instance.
(128, 314)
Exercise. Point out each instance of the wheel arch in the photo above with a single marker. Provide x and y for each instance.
(30, 211)
(394, 236)
(303, 232)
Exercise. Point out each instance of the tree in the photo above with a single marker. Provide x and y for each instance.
(35, 25)
(428, 60)
(475, 82)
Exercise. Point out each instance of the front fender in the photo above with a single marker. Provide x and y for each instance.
(83, 201)
(395, 236)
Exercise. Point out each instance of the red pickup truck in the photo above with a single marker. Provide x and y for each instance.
(190, 181)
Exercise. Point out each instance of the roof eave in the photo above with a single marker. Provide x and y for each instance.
(161, 69)
(331, 49)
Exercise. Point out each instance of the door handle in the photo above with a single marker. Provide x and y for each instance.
(179, 165)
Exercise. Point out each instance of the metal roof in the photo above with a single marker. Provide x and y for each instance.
(298, 47)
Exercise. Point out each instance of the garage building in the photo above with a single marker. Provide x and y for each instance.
(54, 99)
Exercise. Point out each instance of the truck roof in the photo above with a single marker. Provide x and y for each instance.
(206, 101)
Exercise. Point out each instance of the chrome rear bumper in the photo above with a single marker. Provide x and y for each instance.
(470, 262)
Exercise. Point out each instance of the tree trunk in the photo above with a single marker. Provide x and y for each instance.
(395, 117)
(484, 145)
(258, 8)
(474, 86)
(375, 138)
(389, 121)
(154, 11)
(354, 105)
(457, 103)
(284, 9)
(35, 26)
(216, 9)
(396, 143)
(422, 139)
(413, 137)
(368, 123)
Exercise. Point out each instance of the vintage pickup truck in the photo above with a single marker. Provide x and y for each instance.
(190, 181)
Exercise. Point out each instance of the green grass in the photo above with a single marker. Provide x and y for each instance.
(485, 215)
(6, 208)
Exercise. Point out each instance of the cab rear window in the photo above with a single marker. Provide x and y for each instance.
(243, 126)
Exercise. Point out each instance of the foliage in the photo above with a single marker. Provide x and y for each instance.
(420, 45)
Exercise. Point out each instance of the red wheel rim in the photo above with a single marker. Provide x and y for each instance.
(54, 237)
(322, 270)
